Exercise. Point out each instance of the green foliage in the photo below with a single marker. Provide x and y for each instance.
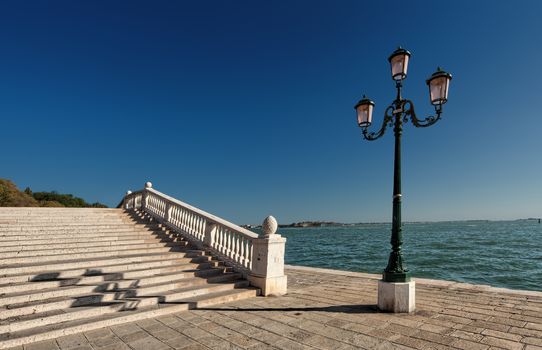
(67, 200)
(50, 204)
(11, 196)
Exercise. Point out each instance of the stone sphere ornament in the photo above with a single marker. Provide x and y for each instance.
(148, 184)
(128, 192)
(269, 226)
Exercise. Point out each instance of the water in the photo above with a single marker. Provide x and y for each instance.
(499, 253)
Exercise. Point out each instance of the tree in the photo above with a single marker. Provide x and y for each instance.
(10, 196)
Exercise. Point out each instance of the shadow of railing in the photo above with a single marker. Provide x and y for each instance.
(347, 309)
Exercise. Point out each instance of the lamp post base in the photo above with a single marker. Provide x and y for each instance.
(397, 297)
(396, 276)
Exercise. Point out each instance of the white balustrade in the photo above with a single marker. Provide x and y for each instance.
(233, 244)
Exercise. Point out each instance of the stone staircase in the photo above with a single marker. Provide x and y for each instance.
(67, 270)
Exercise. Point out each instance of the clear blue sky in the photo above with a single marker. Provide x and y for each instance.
(245, 108)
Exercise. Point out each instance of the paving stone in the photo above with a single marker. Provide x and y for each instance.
(214, 342)
(195, 346)
(532, 341)
(435, 328)
(180, 342)
(115, 346)
(165, 334)
(125, 329)
(503, 335)
(128, 338)
(475, 337)
(468, 345)
(99, 333)
(262, 346)
(72, 341)
(502, 343)
(148, 343)
(105, 341)
(508, 321)
(195, 333)
(43, 345)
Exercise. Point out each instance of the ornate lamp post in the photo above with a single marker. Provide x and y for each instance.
(396, 290)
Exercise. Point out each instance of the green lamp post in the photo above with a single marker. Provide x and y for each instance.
(401, 111)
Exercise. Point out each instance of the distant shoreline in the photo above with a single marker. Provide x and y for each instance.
(312, 224)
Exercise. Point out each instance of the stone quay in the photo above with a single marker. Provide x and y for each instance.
(330, 309)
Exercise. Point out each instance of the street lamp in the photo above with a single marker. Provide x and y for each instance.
(400, 111)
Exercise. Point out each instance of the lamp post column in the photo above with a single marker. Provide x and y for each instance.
(395, 271)
(396, 292)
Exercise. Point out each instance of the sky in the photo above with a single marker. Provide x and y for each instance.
(245, 108)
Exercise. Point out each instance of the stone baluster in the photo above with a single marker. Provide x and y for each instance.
(210, 231)
(167, 211)
(126, 204)
(144, 196)
(267, 271)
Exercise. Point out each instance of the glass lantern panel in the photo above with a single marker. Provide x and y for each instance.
(365, 115)
(399, 66)
(438, 88)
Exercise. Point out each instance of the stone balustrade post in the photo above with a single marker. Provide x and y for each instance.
(126, 202)
(268, 260)
(148, 184)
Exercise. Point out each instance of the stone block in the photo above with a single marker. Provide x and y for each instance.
(270, 286)
(397, 297)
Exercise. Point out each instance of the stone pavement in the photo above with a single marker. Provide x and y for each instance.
(326, 309)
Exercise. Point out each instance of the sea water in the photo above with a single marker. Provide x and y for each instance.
(499, 253)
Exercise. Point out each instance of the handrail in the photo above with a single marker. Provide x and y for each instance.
(234, 245)
(121, 203)
(210, 216)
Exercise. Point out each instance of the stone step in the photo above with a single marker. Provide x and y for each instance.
(226, 296)
(73, 228)
(58, 216)
(65, 265)
(68, 234)
(48, 218)
(193, 293)
(61, 257)
(63, 272)
(53, 249)
(24, 218)
(121, 289)
(60, 210)
(4, 226)
(21, 246)
(28, 286)
(101, 235)
(16, 219)
(45, 332)
(130, 270)
(40, 305)
(65, 231)
(100, 308)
